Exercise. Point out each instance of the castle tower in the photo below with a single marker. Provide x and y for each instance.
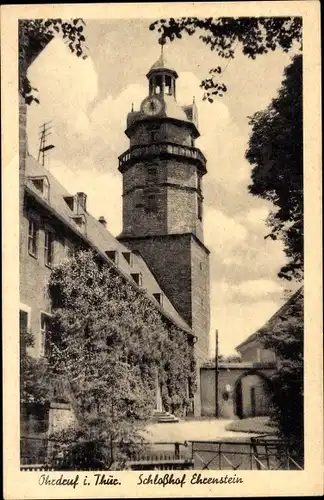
(163, 198)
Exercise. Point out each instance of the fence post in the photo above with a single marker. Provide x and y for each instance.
(177, 450)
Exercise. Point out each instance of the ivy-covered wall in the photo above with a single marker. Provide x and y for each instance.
(112, 344)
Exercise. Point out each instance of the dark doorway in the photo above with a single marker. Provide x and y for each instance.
(253, 402)
(238, 400)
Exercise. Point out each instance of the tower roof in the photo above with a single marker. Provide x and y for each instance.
(162, 64)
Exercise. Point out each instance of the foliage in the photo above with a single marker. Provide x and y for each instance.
(35, 387)
(230, 358)
(276, 154)
(285, 338)
(254, 36)
(111, 343)
(34, 36)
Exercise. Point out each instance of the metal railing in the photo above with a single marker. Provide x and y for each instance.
(261, 453)
(35, 453)
(160, 149)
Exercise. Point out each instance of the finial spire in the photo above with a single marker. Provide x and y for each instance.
(162, 42)
(193, 99)
(132, 107)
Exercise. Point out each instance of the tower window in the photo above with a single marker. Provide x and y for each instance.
(151, 205)
(158, 85)
(151, 175)
(199, 183)
(154, 132)
(200, 208)
(168, 85)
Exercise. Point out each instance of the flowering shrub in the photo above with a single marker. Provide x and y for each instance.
(112, 345)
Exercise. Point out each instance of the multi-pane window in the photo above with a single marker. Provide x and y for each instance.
(32, 237)
(45, 334)
(48, 247)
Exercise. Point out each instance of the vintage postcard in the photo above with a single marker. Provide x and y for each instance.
(162, 291)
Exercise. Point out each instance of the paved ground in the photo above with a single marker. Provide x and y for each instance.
(192, 430)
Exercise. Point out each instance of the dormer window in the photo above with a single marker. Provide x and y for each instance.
(70, 201)
(112, 255)
(137, 277)
(80, 220)
(158, 297)
(128, 257)
(42, 185)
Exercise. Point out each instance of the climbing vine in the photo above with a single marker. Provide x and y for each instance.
(112, 345)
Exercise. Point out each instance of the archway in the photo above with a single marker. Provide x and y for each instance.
(252, 393)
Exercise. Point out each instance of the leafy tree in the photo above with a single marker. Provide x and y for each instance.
(35, 387)
(276, 154)
(111, 344)
(253, 35)
(285, 338)
(35, 35)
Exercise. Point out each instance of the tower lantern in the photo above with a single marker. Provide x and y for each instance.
(162, 78)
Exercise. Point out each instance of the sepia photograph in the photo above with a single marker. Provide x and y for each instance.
(161, 247)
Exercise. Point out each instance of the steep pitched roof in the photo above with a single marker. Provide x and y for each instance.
(285, 310)
(99, 238)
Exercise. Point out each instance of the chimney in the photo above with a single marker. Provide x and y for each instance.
(82, 199)
(102, 221)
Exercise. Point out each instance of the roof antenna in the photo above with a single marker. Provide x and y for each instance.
(45, 132)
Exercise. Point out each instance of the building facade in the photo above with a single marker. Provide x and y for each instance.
(244, 388)
(161, 247)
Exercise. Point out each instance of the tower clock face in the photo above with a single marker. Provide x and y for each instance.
(152, 106)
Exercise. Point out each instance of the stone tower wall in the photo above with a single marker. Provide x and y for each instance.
(181, 266)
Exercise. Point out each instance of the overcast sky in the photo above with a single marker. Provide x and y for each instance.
(88, 101)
